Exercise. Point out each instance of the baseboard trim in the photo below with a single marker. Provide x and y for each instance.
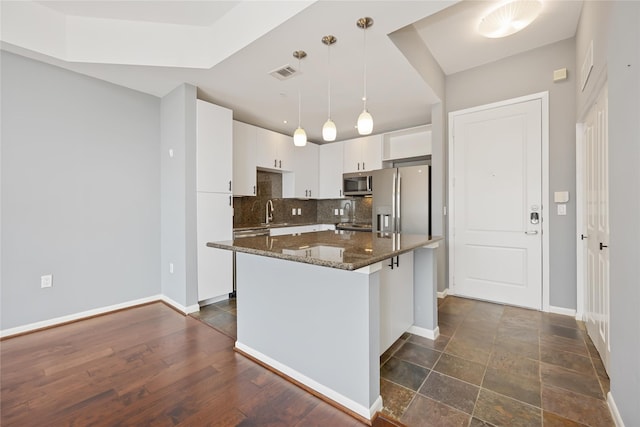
(615, 414)
(58, 321)
(443, 294)
(330, 396)
(181, 308)
(45, 324)
(561, 310)
(431, 334)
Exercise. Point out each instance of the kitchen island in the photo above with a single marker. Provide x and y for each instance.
(309, 307)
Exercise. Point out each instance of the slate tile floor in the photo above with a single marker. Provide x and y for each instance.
(492, 365)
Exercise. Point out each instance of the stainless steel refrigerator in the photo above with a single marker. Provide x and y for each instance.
(401, 200)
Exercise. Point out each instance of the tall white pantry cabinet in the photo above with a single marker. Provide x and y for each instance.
(214, 199)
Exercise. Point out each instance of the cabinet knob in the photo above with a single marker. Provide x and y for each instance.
(254, 189)
(275, 163)
(229, 185)
(280, 162)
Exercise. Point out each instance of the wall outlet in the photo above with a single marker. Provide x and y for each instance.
(335, 211)
(293, 211)
(299, 211)
(341, 211)
(46, 281)
(562, 209)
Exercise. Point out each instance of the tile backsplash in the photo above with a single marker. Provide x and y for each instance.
(251, 211)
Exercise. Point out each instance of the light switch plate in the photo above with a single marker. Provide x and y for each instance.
(299, 211)
(562, 209)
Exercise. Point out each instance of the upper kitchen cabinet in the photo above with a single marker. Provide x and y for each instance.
(214, 148)
(330, 170)
(362, 154)
(273, 150)
(407, 143)
(244, 163)
(305, 167)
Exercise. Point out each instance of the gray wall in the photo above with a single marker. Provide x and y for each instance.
(524, 74)
(418, 54)
(622, 34)
(80, 194)
(178, 190)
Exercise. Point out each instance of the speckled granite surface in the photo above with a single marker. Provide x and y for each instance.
(346, 250)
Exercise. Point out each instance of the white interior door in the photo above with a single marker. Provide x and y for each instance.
(597, 226)
(497, 203)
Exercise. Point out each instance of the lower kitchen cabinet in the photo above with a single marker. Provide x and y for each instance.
(396, 299)
(215, 266)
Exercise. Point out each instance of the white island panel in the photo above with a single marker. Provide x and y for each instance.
(318, 325)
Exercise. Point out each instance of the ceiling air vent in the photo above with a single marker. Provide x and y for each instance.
(284, 72)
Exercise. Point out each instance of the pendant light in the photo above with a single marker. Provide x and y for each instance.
(299, 136)
(329, 131)
(365, 121)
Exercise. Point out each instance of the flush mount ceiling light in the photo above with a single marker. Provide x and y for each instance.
(299, 136)
(365, 121)
(509, 18)
(329, 131)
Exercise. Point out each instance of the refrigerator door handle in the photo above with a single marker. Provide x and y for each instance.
(398, 204)
(393, 204)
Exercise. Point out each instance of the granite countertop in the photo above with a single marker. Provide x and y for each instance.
(273, 225)
(346, 250)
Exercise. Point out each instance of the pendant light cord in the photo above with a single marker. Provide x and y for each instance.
(364, 72)
(299, 97)
(329, 77)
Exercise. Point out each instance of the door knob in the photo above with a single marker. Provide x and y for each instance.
(530, 233)
(582, 237)
(603, 246)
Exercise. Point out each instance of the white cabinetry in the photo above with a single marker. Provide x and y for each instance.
(244, 163)
(305, 167)
(396, 299)
(215, 266)
(214, 148)
(363, 154)
(330, 170)
(407, 143)
(214, 220)
(273, 150)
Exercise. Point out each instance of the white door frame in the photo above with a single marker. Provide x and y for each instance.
(580, 223)
(546, 204)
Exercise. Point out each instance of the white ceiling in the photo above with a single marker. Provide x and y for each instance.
(227, 49)
(452, 38)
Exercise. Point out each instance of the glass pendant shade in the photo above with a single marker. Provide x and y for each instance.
(329, 131)
(365, 123)
(299, 138)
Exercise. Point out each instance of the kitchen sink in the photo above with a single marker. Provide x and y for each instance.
(353, 226)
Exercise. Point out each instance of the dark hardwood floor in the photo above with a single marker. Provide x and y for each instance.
(147, 366)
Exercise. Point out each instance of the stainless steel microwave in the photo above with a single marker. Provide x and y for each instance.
(357, 184)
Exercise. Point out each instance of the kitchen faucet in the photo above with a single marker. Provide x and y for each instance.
(269, 211)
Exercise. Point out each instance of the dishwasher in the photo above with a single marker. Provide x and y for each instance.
(243, 233)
